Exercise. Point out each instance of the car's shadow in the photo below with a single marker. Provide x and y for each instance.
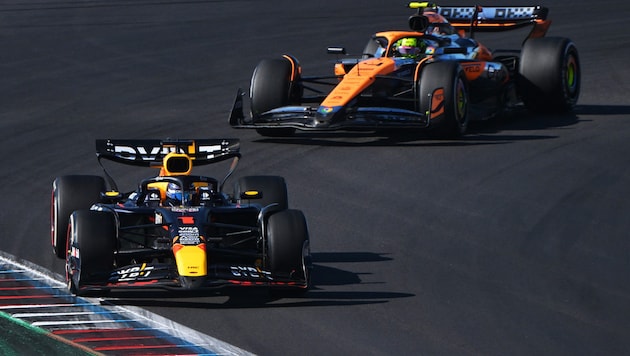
(490, 132)
(324, 279)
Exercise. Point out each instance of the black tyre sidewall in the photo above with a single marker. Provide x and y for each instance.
(71, 193)
(449, 77)
(271, 87)
(287, 234)
(549, 75)
(93, 234)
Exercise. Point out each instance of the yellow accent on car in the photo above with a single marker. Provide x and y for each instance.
(191, 260)
(176, 164)
(420, 5)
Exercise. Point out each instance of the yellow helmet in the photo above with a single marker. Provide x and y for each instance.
(410, 47)
(408, 42)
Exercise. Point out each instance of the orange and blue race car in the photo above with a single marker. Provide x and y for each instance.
(435, 76)
(177, 230)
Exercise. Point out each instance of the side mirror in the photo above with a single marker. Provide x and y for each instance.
(153, 195)
(111, 196)
(251, 194)
(205, 194)
(337, 50)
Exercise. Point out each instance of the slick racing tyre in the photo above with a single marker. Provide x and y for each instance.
(288, 251)
(273, 189)
(549, 75)
(71, 193)
(274, 84)
(443, 95)
(91, 246)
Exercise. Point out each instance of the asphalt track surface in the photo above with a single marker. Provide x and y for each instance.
(512, 240)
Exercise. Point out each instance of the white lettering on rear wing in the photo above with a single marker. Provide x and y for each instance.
(145, 152)
(490, 13)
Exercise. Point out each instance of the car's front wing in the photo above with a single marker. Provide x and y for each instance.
(328, 119)
(164, 276)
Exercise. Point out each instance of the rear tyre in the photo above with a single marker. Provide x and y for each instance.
(273, 189)
(549, 75)
(91, 247)
(71, 193)
(273, 85)
(288, 250)
(443, 95)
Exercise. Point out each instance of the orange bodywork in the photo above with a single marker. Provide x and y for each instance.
(437, 103)
(295, 68)
(363, 74)
(358, 79)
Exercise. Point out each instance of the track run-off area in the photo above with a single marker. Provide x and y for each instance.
(39, 315)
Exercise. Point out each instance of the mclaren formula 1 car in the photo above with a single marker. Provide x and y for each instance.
(177, 230)
(435, 76)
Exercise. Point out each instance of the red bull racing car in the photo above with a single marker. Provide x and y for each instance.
(435, 76)
(177, 230)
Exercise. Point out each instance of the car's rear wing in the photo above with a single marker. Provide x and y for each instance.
(151, 152)
(490, 18)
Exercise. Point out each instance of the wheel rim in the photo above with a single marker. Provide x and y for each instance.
(460, 101)
(571, 76)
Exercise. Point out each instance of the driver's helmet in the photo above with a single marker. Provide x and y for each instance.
(410, 47)
(174, 194)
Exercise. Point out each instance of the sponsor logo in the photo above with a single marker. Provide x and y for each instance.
(151, 153)
(134, 273)
(513, 12)
(178, 209)
(488, 12)
(472, 68)
(326, 109)
(189, 235)
(250, 272)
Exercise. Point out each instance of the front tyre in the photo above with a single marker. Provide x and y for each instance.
(274, 84)
(443, 96)
(288, 250)
(70, 193)
(91, 247)
(549, 75)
